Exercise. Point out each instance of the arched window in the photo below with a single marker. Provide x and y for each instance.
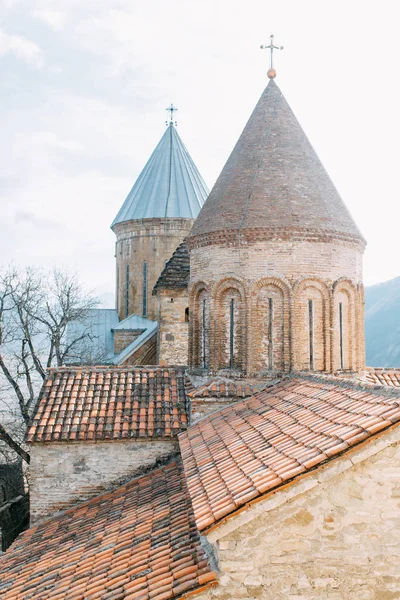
(198, 314)
(270, 324)
(345, 327)
(230, 332)
(311, 319)
(144, 288)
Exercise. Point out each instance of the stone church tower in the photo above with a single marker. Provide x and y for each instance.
(275, 258)
(154, 219)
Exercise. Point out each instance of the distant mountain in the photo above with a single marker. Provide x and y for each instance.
(382, 324)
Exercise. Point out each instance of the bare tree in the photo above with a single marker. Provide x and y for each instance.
(35, 311)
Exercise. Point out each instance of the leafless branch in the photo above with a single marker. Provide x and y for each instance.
(35, 310)
(13, 444)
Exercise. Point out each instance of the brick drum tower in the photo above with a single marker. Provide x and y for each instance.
(154, 219)
(275, 258)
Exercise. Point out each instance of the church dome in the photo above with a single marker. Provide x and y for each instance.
(170, 185)
(275, 259)
(274, 181)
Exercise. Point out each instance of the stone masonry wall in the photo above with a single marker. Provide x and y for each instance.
(63, 474)
(272, 283)
(145, 240)
(337, 539)
(173, 327)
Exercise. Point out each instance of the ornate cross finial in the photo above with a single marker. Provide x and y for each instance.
(171, 109)
(271, 47)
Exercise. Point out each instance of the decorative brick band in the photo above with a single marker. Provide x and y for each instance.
(236, 237)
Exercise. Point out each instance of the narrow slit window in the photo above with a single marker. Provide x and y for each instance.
(127, 291)
(232, 334)
(341, 334)
(117, 288)
(270, 339)
(203, 337)
(311, 332)
(187, 315)
(144, 288)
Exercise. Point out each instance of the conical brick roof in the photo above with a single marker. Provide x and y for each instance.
(274, 181)
(169, 185)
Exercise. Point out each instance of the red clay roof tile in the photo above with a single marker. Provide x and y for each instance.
(139, 541)
(224, 388)
(253, 446)
(98, 403)
(388, 377)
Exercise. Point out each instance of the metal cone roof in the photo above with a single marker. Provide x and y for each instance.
(169, 185)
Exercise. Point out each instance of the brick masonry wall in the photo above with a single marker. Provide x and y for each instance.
(64, 474)
(201, 407)
(150, 240)
(122, 339)
(173, 327)
(336, 539)
(328, 272)
(293, 259)
(145, 355)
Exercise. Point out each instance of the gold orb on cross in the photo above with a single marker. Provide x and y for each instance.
(271, 47)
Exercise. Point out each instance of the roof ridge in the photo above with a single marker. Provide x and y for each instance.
(257, 171)
(152, 470)
(176, 271)
(288, 430)
(356, 384)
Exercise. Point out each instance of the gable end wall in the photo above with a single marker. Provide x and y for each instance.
(63, 474)
(338, 540)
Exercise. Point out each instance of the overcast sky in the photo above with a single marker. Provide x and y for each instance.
(84, 87)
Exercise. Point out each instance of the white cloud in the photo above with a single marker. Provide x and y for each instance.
(72, 146)
(22, 48)
(55, 19)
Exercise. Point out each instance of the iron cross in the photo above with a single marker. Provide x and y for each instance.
(271, 47)
(171, 109)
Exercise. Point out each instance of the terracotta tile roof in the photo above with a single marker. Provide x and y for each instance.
(256, 445)
(189, 387)
(223, 388)
(98, 403)
(176, 272)
(389, 377)
(139, 541)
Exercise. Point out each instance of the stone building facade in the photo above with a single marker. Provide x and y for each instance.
(96, 427)
(64, 474)
(332, 535)
(173, 309)
(275, 258)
